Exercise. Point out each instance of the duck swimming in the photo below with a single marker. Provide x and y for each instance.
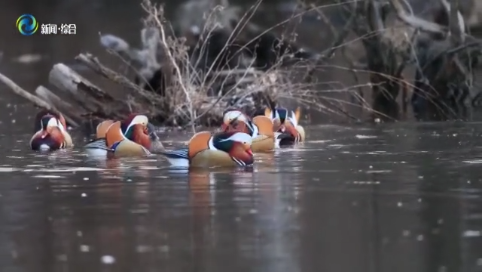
(224, 149)
(51, 132)
(98, 146)
(260, 128)
(286, 126)
(119, 143)
(134, 129)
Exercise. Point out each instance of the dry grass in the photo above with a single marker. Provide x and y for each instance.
(195, 98)
(189, 95)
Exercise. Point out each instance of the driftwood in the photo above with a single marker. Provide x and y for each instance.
(69, 81)
(87, 99)
(94, 64)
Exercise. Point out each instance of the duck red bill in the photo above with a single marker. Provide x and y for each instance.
(249, 151)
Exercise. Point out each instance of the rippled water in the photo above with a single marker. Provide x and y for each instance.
(368, 198)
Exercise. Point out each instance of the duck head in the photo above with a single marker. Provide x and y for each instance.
(278, 116)
(237, 145)
(131, 121)
(138, 134)
(138, 129)
(41, 114)
(49, 136)
(236, 120)
(282, 118)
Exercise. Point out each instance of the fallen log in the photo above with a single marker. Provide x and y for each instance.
(67, 80)
(93, 63)
(87, 95)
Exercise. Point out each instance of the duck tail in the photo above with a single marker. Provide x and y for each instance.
(178, 158)
(284, 139)
(177, 154)
(98, 144)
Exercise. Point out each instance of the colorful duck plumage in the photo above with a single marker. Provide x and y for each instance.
(119, 143)
(286, 125)
(135, 129)
(233, 147)
(50, 132)
(260, 128)
(224, 149)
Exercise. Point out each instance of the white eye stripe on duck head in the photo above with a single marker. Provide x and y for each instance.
(54, 122)
(240, 137)
(139, 120)
(234, 115)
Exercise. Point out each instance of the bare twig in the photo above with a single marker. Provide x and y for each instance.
(32, 98)
(156, 14)
(415, 21)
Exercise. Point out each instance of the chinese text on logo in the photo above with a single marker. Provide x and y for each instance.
(64, 29)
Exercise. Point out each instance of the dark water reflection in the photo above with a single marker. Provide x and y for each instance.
(385, 198)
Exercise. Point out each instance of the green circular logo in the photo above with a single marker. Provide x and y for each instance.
(27, 24)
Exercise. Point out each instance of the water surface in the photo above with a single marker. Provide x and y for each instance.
(366, 198)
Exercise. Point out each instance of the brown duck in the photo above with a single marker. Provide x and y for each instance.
(224, 149)
(286, 125)
(51, 132)
(98, 147)
(260, 128)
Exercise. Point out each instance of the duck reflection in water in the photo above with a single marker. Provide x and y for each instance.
(124, 169)
(204, 183)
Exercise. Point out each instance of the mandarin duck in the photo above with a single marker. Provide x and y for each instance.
(51, 132)
(98, 146)
(260, 128)
(223, 149)
(286, 126)
(120, 139)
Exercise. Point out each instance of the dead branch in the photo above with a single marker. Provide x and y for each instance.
(456, 21)
(21, 92)
(39, 102)
(415, 21)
